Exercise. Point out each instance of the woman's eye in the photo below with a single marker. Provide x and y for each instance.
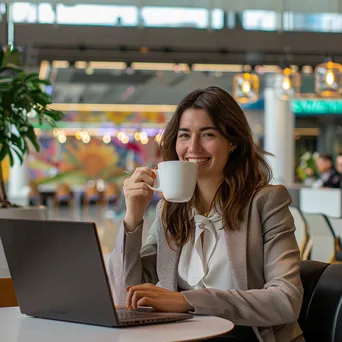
(183, 135)
(210, 135)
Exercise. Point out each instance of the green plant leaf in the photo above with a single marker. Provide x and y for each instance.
(45, 82)
(14, 130)
(33, 77)
(31, 136)
(2, 54)
(3, 152)
(21, 93)
(10, 67)
(10, 155)
(18, 152)
(5, 80)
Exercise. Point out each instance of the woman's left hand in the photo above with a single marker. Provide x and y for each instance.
(158, 298)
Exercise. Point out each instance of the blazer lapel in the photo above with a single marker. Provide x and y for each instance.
(236, 242)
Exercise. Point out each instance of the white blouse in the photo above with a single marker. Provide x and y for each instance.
(205, 265)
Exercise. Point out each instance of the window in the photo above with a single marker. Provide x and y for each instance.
(97, 15)
(46, 14)
(175, 17)
(217, 19)
(259, 20)
(319, 22)
(2, 8)
(24, 12)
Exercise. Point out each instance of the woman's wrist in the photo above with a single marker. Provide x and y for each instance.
(131, 224)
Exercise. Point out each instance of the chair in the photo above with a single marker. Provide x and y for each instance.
(321, 313)
(301, 232)
(336, 224)
(7, 293)
(111, 194)
(63, 195)
(34, 194)
(91, 194)
(322, 242)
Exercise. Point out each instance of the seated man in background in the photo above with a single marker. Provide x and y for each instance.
(339, 163)
(329, 177)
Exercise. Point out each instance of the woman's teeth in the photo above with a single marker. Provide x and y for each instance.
(198, 160)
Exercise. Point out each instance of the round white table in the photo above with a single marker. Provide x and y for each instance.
(15, 327)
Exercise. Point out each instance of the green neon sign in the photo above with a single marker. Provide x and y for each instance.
(316, 107)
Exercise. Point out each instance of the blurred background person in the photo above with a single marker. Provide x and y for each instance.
(329, 177)
(339, 163)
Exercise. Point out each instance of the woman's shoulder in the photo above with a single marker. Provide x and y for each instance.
(271, 194)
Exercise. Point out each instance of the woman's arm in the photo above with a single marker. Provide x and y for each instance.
(280, 300)
(129, 263)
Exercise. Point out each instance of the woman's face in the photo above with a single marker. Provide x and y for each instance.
(198, 141)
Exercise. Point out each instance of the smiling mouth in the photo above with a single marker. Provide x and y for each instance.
(197, 160)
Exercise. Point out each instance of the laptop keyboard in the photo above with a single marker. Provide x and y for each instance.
(131, 314)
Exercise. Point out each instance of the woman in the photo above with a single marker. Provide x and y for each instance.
(229, 252)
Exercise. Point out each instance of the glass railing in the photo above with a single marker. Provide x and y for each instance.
(174, 17)
(259, 20)
(314, 22)
(148, 16)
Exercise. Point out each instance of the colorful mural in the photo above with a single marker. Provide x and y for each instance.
(75, 162)
(117, 118)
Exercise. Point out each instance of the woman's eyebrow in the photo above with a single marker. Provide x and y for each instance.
(183, 129)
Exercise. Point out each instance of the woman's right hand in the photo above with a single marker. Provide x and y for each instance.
(137, 196)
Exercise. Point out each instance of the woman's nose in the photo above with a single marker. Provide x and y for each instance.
(195, 145)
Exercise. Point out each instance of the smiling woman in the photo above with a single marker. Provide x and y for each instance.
(231, 250)
(210, 124)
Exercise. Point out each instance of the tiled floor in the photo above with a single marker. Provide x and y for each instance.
(107, 221)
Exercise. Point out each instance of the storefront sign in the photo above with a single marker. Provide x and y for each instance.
(316, 107)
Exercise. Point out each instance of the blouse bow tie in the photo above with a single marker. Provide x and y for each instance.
(197, 255)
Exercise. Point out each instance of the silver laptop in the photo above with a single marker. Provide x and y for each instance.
(58, 273)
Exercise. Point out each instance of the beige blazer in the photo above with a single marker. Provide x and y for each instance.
(264, 261)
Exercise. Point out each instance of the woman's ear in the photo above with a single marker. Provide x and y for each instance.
(232, 148)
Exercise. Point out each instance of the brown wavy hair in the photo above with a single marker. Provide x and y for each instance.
(245, 172)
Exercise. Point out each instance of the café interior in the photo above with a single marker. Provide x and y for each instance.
(118, 69)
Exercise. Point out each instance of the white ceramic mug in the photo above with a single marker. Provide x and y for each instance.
(176, 180)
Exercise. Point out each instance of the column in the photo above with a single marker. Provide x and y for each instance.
(238, 18)
(18, 183)
(229, 19)
(279, 137)
(210, 18)
(10, 25)
(140, 16)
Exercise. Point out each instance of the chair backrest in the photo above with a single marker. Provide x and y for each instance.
(63, 190)
(91, 194)
(34, 190)
(301, 232)
(322, 238)
(7, 293)
(111, 189)
(321, 313)
(336, 224)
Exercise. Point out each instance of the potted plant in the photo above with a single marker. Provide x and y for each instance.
(22, 102)
(306, 169)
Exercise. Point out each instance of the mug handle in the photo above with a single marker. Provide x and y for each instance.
(156, 184)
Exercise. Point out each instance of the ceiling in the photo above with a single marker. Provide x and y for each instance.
(72, 85)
